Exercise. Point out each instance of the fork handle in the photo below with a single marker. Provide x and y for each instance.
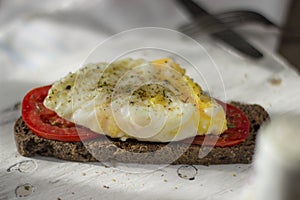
(238, 42)
(193, 9)
(227, 36)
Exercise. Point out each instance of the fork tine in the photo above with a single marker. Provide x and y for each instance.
(245, 16)
(229, 19)
(203, 25)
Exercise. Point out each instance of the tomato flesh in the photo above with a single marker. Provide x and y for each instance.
(237, 131)
(46, 123)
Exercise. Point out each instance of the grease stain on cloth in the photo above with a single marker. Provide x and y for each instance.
(26, 166)
(187, 172)
(24, 190)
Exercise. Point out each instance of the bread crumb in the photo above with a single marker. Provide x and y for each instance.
(113, 180)
(165, 180)
(234, 175)
(275, 81)
(26, 187)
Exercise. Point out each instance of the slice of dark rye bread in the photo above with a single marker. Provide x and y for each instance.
(132, 151)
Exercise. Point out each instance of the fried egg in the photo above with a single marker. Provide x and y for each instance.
(134, 98)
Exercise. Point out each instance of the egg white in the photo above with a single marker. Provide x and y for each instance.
(104, 98)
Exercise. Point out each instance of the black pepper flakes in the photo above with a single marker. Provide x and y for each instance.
(105, 186)
(68, 87)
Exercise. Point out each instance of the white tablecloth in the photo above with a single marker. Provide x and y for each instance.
(39, 48)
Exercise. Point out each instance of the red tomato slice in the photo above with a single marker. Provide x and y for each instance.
(237, 132)
(46, 123)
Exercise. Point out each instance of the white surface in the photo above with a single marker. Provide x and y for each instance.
(277, 172)
(274, 9)
(39, 51)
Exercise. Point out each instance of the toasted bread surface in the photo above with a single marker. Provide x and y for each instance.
(132, 151)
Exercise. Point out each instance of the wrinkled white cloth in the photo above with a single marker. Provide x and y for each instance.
(41, 42)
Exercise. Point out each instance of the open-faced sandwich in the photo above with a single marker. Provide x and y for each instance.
(135, 111)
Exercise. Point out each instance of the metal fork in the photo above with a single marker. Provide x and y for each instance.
(206, 25)
(231, 19)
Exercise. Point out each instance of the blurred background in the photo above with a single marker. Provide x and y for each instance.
(32, 31)
(38, 37)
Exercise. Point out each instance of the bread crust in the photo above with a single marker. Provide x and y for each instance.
(132, 151)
